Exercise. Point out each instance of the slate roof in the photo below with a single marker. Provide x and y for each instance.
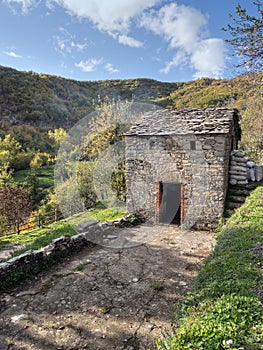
(185, 121)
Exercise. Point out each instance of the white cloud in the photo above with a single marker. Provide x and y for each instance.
(180, 59)
(208, 59)
(65, 42)
(180, 25)
(89, 65)
(185, 30)
(78, 46)
(25, 5)
(109, 67)
(114, 15)
(129, 41)
(12, 54)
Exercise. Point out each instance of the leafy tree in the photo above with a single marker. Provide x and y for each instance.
(32, 185)
(106, 127)
(36, 162)
(15, 204)
(58, 135)
(247, 36)
(49, 203)
(84, 174)
(6, 178)
(118, 181)
(9, 148)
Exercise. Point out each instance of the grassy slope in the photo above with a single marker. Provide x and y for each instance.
(45, 176)
(43, 236)
(224, 311)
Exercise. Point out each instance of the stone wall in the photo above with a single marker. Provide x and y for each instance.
(33, 261)
(198, 162)
(242, 169)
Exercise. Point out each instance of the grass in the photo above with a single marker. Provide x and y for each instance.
(45, 176)
(224, 310)
(41, 237)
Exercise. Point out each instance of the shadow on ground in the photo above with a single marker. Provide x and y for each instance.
(105, 298)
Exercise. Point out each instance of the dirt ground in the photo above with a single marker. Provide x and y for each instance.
(106, 298)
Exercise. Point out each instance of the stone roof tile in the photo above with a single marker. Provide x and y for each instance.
(185, 121)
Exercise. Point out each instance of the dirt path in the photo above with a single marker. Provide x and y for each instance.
(103, 298)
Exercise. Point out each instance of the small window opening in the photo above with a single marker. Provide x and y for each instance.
(192, 145)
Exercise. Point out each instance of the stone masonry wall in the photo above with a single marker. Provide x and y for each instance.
(199, 162)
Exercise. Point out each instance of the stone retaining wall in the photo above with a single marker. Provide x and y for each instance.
(33, 261)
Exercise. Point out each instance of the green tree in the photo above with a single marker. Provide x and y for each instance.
(58, 135)
(32, 185)
(9, 148)
(118, 181)
(84, 174)
(6, 178)
(107, 127)
(247, 36)
(36, 162)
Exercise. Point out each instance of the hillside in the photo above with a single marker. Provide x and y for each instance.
(31, 103)
(49, 101)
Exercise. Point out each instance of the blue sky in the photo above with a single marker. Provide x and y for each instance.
(118, 39)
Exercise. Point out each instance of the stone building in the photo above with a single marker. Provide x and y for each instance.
(177, 165)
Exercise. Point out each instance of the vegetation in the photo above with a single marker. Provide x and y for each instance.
(224, 311)
(252, 126)
(247, 36)
(41, 237)
(15, 204)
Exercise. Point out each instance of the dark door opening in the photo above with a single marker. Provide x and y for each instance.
(170, 204)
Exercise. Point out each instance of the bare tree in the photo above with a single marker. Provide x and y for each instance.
(247, 37)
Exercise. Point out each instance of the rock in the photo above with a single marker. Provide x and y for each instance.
(111, 237)
(83, 226)
(182, 283)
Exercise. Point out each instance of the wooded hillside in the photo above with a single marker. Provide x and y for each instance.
(27, 98)
(32, 103)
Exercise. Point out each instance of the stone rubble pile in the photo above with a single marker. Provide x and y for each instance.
(242, 170)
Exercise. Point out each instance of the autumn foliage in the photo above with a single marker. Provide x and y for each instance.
(15, 204)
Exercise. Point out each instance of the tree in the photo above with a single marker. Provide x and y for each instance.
(84, 175)
(15, 204)
(247, 37)
(58, 135)
(37, 162)
(106, 127)
(6, 178)
(9, 148)
(118, 181)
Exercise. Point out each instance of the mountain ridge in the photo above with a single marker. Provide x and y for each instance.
(47, 101)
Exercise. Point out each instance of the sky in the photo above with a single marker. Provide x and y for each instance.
(164, 40)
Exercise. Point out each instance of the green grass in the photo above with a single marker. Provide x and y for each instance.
(43, 236)
(224, 311)
(45, 176)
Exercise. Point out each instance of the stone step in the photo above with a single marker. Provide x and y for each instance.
(238, 192)
(233, 205)
(236, 198)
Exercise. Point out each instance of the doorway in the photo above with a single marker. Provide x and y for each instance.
(170, 203)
